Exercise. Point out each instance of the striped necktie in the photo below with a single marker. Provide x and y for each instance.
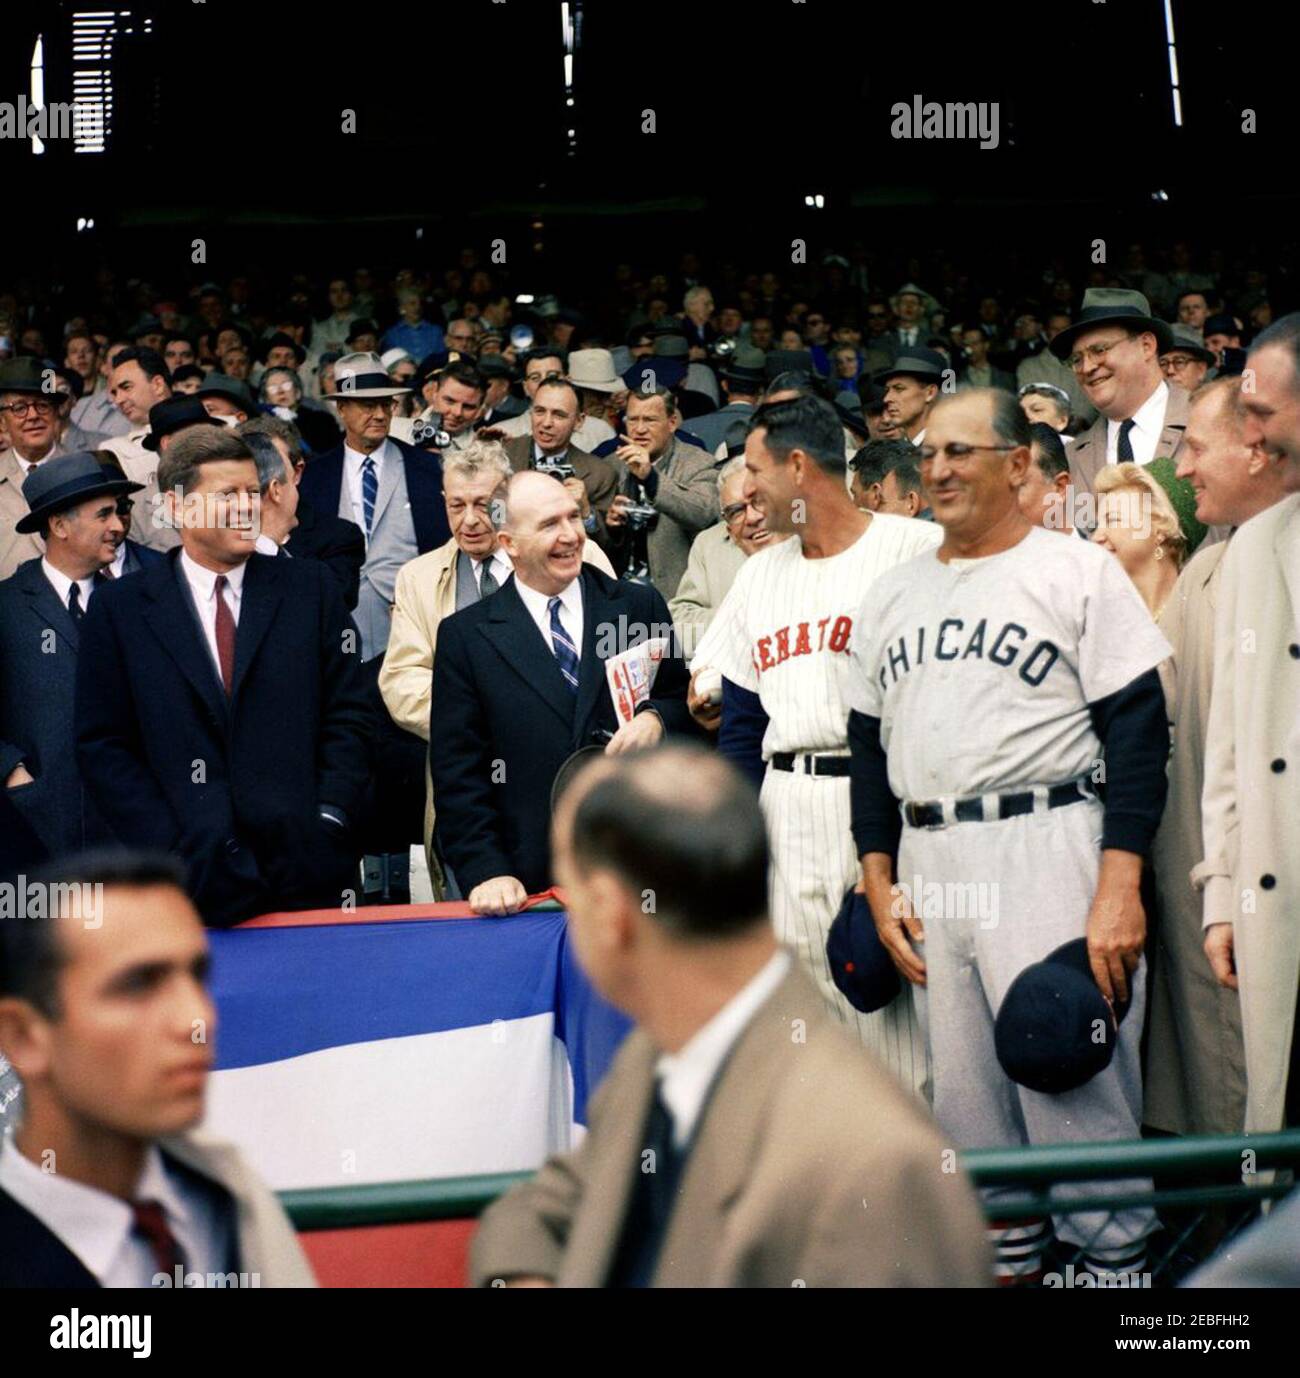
(369, 492)
(565, 653)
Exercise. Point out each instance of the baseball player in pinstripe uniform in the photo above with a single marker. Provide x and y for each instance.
(782, 640)
(994, 673)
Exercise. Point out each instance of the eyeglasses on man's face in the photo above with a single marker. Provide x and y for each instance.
(733, 512)
(1093, 354)
(40, 405)
(957, 451)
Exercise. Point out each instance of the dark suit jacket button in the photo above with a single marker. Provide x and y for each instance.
(232, 845)
(1267, 881)
(1278, 766)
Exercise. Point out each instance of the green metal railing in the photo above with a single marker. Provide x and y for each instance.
(1035, 1169)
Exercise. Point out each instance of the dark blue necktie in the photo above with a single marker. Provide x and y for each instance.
(565, 654)
(369, 491)
(1124, 450)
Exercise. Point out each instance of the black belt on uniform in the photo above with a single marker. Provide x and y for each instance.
(812, 765)
(930, 815)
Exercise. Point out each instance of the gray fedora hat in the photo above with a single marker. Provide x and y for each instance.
(747, 365)
(1190, 343)
(1113, 306)
(231, 389)
(362, 375)
(927, 364)
(68, 481)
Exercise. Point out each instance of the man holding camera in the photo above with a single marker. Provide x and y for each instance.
(591, 482)
(668, 493)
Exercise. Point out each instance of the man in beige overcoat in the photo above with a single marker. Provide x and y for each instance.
(1196, 1074)
(740, 1139)
(1251, 804)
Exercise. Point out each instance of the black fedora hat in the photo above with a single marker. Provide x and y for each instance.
(1046, 1032)
(861, 967)
(1190, 343)
(175, 414)
(68, 481)
(1113, 306)
(25, 374)
(850, 410)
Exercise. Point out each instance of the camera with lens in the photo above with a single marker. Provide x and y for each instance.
(557, 468)
(426, 431)
(722, 348)
(640, 516)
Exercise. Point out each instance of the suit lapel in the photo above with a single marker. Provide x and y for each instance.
(615, 1159)
(257, 607)
(597, 611)
(516, 639)
(387, 483)
(47, 605)
(174, 621)
(1175, 423)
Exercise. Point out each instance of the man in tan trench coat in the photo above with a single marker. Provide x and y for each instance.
(1196, 1074)
(1251, 804)
(740, 1139)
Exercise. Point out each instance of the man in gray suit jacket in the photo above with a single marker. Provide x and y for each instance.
(1114, 348)
(74, 504)
(680, 481)
(742, 378)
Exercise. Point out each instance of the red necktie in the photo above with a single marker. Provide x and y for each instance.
(225, 637)
(151, 1225)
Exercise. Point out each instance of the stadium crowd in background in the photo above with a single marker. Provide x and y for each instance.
(358, 541)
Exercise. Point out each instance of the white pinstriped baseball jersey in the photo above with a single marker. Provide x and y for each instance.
(785, 630)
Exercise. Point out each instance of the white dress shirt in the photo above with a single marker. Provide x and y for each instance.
(203, 588)
(264, 545)
(1149, 421)
(352, 462)
(63, 585)
(686, 1076)
(97, 1226)
(118, 568)
(570, 612)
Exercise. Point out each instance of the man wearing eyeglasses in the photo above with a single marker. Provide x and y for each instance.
(29, 427)
(991, 675)
(1114, 348)
(1188, 361)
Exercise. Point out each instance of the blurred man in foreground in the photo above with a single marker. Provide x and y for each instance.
(724, 1149)
(105, 1014)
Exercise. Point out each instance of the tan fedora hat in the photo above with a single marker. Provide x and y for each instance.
(362, 375)
(594, 369)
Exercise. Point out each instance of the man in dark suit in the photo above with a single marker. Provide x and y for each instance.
(99, 1001)
(74, 505)
(218, 707)
(519, 683)
(292, 525)
(391, 490)
(555, 413)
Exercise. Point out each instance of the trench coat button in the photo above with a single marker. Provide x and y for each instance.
(1278, 766)
(1267, 881)
(1295, 651)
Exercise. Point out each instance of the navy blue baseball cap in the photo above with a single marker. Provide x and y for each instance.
(860, 965)
(1056, 1030)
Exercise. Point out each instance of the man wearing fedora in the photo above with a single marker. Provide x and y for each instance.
(224, 396)
(29, 426)
(536, 365)
(138, 381)
(911, 385)
(1114, 348)
(910, 330)
(591, 371)
(499, 403)
(1187, 361)
(391, 490)
(73, 504)
(742, 378)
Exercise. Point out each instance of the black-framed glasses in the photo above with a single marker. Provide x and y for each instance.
(733, 511)
(41, 405)
(958, 450)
